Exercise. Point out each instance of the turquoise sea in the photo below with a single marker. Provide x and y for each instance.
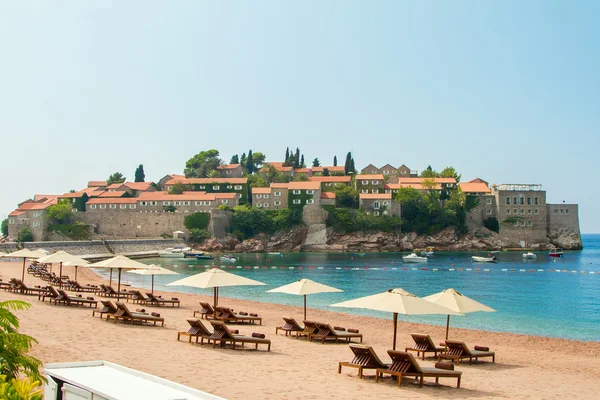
(546, 297)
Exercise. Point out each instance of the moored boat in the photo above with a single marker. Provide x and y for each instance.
(192, 254)
(427, 252)
(204, 257)
(228, 258)
(556, 252)
(174, 252)
(492, 259)
(529, 256)
(414, 258)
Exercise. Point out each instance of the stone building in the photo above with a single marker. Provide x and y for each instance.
(370, 169)
(333, 170)
(292, 194)
(328, 183)
(369, 183)
(31, 214)
(215, 185)
(379, 204)
(231, 170)
(273, 198)
(163, 181)
(486, 207)
(133, 189)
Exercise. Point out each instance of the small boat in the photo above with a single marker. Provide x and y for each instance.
(192, 254)
(427, 252)
(529, 256)
(414, 258)
(557, 252)
(492, 259)
(274, 253)
(203, 257)
(174, 252)
(228, 258)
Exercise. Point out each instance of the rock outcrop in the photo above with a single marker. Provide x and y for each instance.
(565, 238)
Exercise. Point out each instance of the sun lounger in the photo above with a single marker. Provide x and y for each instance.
(77, 287)
(4, 285)
(424, 344)
(225, 314)
(327, 332)
(77, 301)
(405, 364)
(364, 358)
(206, 311)
(159, 301)
(52, 295)
(109, 308)
(223, 335)
(457, 351)
(138, 298)
(18, 286)
(197, 330)
(291, 327)
(109, 291)
(310, 328)
(125, 315)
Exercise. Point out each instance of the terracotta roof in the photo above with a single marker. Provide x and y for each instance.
(302, 170)
(331, 168)
(225, 195)
(228, 166)
(261, 190)
(97, 183)
(341, 179)
(16, 213)
(388, 166)
(165, 196)
(327, 195)
(138, 185)
(207, 181)
(114, 194)
(279, 185)
(368, 177)
(478, 180)
(375, 196)
(74, 195)
(420, 180)
(474, 187)
(121, 200)
(278, 166)
(304, 186)
(92, 191)
(114, 186)
(45, 197)
(36, 206)
(419, 186)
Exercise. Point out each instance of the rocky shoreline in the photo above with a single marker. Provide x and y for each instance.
(299, 239)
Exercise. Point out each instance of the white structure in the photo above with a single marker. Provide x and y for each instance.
(103, 380)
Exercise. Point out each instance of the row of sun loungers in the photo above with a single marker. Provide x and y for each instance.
(152, 300)
(61, 297)
(318, 331)
(221, 335)
(226, 314)
(120, 312)
(454, 350)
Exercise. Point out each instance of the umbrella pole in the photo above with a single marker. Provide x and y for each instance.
(110, 279)
(447, 325)
(23, 275)
(76, 273)
(60, 276)
(305, 307)
(119, 285)
(153, 287)
(395, 329)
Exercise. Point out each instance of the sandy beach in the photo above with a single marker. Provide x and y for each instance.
(527, 367)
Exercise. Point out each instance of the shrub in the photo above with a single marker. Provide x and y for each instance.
(4, 228)
(347, 220)
(223, 207)
(197, 220)
(20, 389)
(169, 209)
(25, 235)
(76, 231)
(250, 221)
(198, 235)
(492, 224)
(61, 213)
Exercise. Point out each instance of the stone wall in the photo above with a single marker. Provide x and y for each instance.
(95, 247)
(220, 221)
(123, 224)
(565, 216)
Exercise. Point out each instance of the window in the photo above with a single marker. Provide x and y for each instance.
(238, 187)
(522, 211)
(515, 200)
(507, 201)
(385, 212)
(36, 224)
(122, 206)
(266, 205)
(132, 206)
(529, 223)
(522, 223)
(375, 190)
(259, 205)
(555, 211)
(535, 201)
(103, 206)
(508, 210)
(186, 203)
(93, 206)
(376, 205)
(328, 184)
(11, 221)
(226, 201)
(143, 203)
(310, 201)
(561, 210)
(166, 203)
(153, 203)
(277, 194)
(207, 203)
(310, 192)
(529, 201)
(259, 196)
(277, 203)
(266, 196)
(516, 223)
(228, 172)
(296, 201)
(201, 187)
(515, 211)
(522, 201)
(488, 201)
(295, 191)
(365, 191)
(229, 186)
(36, 214)
(376, 213)
(488, 211)
(216, 187)
(535, 211)
(198, 203)
(112, 206)
(386, 203)
(374, 182)
(566, 211)
(529, 211)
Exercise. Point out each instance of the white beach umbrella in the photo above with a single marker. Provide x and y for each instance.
(24, 254)
(119, 263)
(458, 302)
(303, 287)
(397, 301)
(62, 257)
(153, 270)
(215, 278)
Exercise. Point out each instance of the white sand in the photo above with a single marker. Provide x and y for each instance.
(527, 367)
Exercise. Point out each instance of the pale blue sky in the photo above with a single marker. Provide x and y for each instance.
(508, 91)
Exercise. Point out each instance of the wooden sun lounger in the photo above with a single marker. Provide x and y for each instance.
(327, 332)
(223, 335)
(77, 287)
(111, 292)
(206, 311)
(310, 328)
(404, 364)
(457, 351)
(125, 315)
(197, 330)
(77, 301)
(4, 285)
(159, 301)
(226, 314)
(291, 327)
(109, 308)
(364, 358)
(17, 285)
(424, 344)
(52, 295)
(138, 298)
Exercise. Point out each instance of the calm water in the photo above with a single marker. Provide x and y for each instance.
(554, 304)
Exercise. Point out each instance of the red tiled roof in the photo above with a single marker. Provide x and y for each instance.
(113, 194)
(45, 197)
(164, 196)
(16, 213)
(420, 180)
(417, 186)
(304, 186)
(74, 195)
(138, 185)
(328, 195)
(339, 168)
(278, 166)
(302, 170)
(369, 177)
(261, 190)
(341, 179)
(97, 183)
(474, 187)
(375, 196)
(92, 190)
(279, 185)
(228, 166)
(121, 200)
(207, 181)
(114, 186)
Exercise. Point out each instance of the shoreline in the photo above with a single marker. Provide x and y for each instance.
(526, 365)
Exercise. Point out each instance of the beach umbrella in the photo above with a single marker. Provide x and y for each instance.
(119, 263)
(215, 278)
(24, 254)
(303, 287)
(153, 270)
(397, 301)
(62, 257)
(458, 302)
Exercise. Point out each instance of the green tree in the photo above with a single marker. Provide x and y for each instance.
(179, 188)
(116, 177)
(335, 161)
(61, 213)
(450, 172)
(213, 174)
(140, 176)
(287, 155)
(492, 224)
(257, 181)
(429, 173)
(345, 196)
(349, 167)
(302, 164)
(243, 160)
(4, 228)
(197, 220)
(25, 235)
(250, 163)
(326, 172)
(258, 159)
(20, 389)
(300, 178)
(234, 159)
(316, 162)
(202, 163)
(14, 345)
(297, 158)
(198, 235)
(169, 208)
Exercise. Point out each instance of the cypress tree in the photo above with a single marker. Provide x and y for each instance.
(287, 155)
(243, 159)
(297, 158)
(302, 165)
(140, 176)
(347, 164)
(316, 162)
(335, 161)
(234, 159)
(250, 163)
